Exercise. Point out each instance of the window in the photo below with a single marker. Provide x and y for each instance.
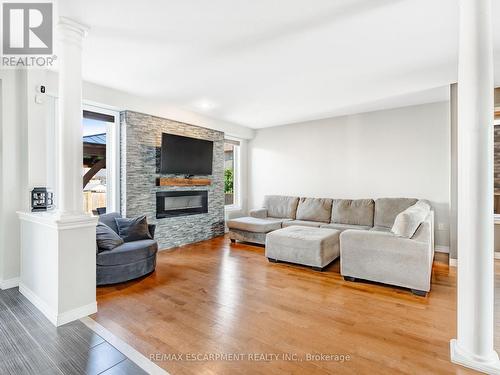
(100, 153)
(231, 172)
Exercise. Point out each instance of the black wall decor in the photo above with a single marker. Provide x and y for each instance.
(42, 199)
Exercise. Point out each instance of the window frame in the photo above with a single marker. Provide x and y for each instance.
(236, 174)
(112, 156)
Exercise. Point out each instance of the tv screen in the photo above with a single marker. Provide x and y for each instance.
(185, 155)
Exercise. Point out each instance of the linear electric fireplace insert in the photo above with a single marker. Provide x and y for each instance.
(180, 203)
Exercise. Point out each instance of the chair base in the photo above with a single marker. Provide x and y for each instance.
(420, 293)
(108, 275)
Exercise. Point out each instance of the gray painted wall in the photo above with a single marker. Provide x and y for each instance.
(401, 152)
(140, 143)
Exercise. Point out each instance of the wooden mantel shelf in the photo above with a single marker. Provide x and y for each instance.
(172, 181)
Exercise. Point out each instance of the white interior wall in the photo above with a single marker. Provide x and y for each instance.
(37, 108)
(402, 152)
(13, 188)
(23, 159)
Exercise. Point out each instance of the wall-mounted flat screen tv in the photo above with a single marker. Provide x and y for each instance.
(185, 155)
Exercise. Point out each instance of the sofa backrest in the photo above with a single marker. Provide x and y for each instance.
(281, 206)
(386, 210)
(353, 211)
(314, 209)
(109, 220)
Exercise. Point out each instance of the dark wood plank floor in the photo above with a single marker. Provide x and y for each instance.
(213, 297)
(30, 344)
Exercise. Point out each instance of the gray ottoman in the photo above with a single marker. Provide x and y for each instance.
(315, 247)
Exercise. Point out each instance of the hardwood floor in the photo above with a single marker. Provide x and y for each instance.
(213, 297)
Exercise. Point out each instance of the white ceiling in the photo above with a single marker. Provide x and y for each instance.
(262, 63)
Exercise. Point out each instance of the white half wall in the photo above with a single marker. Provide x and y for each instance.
(402, 152)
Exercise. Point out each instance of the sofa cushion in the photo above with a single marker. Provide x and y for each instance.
(408, 221)
(353, 211)
(129, 252)
(107, 238)
(386, 210)
(314, 209)
(342, 227)
(133, 229)
(302, 223)
(109, 220)
(381, 229)
(254, 224)
(280, 206)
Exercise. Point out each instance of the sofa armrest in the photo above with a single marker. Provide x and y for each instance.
(151, 228)
(260, 213)
(384, 241)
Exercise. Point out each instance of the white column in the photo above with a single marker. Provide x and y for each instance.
(58, 260)
(70, 129)
(474, 344)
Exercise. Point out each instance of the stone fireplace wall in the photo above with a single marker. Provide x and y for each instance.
(140, 141)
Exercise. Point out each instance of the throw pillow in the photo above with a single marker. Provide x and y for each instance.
(133, 229)
(106, 238)
(408, 221)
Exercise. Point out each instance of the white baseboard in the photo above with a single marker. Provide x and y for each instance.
(52, 315)
(459, 357)
(75, 314)
(9, 283)
(140, 360)
(41, 305)
(442, 249)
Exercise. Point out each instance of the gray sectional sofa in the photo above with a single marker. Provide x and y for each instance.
(388, 240)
